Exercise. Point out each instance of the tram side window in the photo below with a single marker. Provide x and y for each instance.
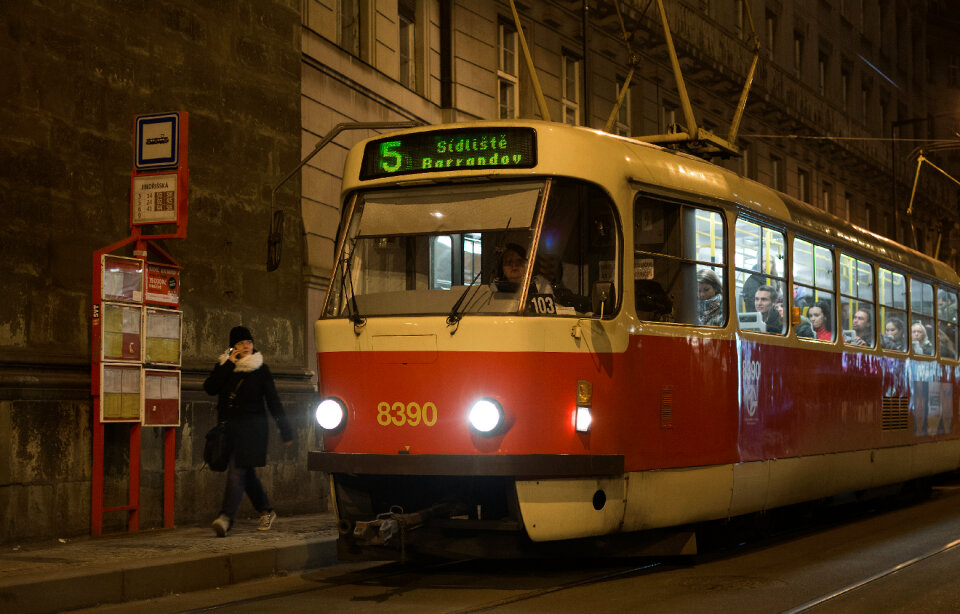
(813, 290)
(947, 322)
(922, 334)
(679, 268)
(857, 312)
(892, 288)
(760, 270)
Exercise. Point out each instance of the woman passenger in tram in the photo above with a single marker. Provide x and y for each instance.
(710, 305)
(819, 316)
(894, 337)
(921, 344)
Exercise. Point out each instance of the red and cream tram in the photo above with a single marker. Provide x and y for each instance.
(540, 333)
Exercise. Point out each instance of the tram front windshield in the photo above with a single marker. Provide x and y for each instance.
(465, 249)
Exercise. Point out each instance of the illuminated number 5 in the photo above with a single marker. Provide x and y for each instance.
(388, 150)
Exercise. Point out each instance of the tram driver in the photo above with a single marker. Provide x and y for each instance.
(513, 265)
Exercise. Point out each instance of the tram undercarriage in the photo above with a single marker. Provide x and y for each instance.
(399, 517)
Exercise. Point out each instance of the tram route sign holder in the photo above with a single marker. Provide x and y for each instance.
(136, 323)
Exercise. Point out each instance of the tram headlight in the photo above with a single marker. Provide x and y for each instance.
(331, 414)
(583, 420)
(486, 416)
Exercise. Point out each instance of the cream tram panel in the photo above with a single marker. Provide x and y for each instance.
(564, 509)
(478, 334)
(677, 496)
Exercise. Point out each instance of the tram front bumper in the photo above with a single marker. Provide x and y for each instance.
(506, 465)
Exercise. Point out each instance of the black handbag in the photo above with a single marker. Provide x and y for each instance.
(216, 450)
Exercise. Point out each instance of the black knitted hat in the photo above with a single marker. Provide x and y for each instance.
(238, 334)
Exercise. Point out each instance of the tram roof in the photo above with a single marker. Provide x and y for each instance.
(622, 165)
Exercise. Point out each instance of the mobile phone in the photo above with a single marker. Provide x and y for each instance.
(229, 351)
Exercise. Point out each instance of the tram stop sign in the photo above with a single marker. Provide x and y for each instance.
(156, 141)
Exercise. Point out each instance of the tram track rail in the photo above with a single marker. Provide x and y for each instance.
(855, 586)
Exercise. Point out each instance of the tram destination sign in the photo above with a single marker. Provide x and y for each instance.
(449, 150)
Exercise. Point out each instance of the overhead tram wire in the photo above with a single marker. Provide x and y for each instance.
(885, 139)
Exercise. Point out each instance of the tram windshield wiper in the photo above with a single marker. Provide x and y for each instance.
(346, 286)
(455, 313)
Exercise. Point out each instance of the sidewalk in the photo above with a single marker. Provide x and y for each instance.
(85, 571)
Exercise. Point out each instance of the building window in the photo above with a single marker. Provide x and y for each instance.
(847, 200)
(407, 17)
(570, 80)
(825, 196)
(741, 19)
(350, 26)
(507, 91)
(865, 103)
(776, 173)
(953, 71)
(822, 75)
(771, 21)
(844, 88)
(746, 160)
(669, 119)
(797, 55)
(803, 185)
(622, 123)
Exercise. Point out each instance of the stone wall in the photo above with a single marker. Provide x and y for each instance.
(74, 75)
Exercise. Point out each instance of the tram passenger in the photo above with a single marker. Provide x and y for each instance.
(894, 337)
(863, 328)
(764, 300)
(947, 348)
(921, 343)
(710, 306)
(946, 307)
(819, 316)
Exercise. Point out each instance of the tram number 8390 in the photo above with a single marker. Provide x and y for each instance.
(412, 414)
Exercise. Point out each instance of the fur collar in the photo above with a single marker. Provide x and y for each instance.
(247, 363)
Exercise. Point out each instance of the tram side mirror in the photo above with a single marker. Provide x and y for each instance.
(602, 297)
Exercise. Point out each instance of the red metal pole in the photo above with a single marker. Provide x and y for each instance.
(96, 477)
(133, 522)
(169, 468)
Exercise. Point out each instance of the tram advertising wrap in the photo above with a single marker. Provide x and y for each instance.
(543, 339)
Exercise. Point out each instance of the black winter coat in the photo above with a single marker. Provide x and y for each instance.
(251, 381)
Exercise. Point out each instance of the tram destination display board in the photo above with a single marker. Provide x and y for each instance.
(448, 150)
